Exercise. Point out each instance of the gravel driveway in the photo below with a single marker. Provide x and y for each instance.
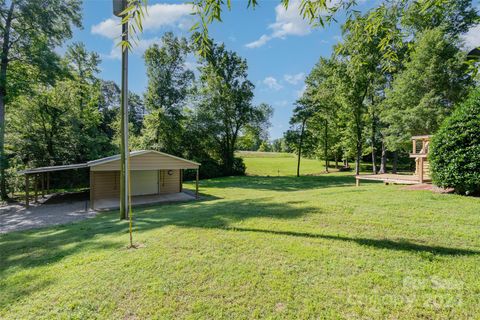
(57, 210)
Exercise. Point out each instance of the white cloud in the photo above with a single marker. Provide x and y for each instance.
(162, 14)
(109, 28)
(287, 22)
(272, 83)
(471, 39)
(294, 78)
(158, 16)
(258, 43)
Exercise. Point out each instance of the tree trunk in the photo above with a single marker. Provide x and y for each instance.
(358, 156)
(383, 161)
(395, 162)
(300, 148)
(326, 146)
(3, 93)
(374, 131)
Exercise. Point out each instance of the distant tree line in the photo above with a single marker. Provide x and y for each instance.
(375, 91)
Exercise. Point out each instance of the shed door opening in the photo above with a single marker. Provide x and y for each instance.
(144, 182)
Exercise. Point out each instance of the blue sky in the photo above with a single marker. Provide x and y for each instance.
(279, 46)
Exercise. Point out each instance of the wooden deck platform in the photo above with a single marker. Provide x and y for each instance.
(390, 178)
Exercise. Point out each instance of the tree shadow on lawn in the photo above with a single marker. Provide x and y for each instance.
(376, 243)
(288, 183)
(34, 248)
(38, 247)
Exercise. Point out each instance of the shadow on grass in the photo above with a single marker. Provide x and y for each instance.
(286, 183)
(30, 249)
(376, 243)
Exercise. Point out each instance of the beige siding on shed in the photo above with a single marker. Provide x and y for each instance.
(147, 161)
(105, 184)
(169, 183)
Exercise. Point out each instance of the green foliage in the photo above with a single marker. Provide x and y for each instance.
(454, 17)
(423, 94)
(455, 149)
(169, 83)
(265, 147)
(29, 33)
(67, 122)
(225, 107)
(279, 145)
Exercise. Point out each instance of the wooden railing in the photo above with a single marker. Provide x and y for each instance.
(422, 168)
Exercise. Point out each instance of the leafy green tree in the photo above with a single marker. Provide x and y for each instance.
(226, 108)
(370, 70)
(454, 17)
(455, 149)
(109, 106)
(255, 134)
(321, 92)
(169, 83)
(265, 147)
(29, 32)
(424, 93)
(250, 140)
(278, 145)
(297, 136)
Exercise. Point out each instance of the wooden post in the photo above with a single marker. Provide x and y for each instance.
(35, 187)
(42, 175)
(92, 190)
(181, 180)
(357, 182)
(414, 146)
(196, 186)
(420, 170)
(48, 182)
(27, 187)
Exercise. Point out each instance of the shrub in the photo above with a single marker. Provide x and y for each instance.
(212, 169)
(455, 149)
(239, 167)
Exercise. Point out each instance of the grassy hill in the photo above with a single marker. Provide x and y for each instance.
(278, 164)
(256, 247)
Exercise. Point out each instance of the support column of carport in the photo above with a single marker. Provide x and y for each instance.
(27, 187)
(92, 184)
(42, 175)
(35, 188)
(196, 185)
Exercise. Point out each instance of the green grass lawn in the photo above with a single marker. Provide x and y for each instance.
(257, 247)
(278, 164)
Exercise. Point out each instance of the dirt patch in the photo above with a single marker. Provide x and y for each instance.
(53, 210)
(428, 187)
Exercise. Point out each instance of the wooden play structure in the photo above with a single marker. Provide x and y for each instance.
(420, 146)
(420, 153)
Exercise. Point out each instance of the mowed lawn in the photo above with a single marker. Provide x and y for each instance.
(257, 247)
(278, 164)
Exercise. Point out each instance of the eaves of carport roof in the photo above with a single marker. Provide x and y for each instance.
(54, 168)
(98, 162)
(74, 166)
(116, 157)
